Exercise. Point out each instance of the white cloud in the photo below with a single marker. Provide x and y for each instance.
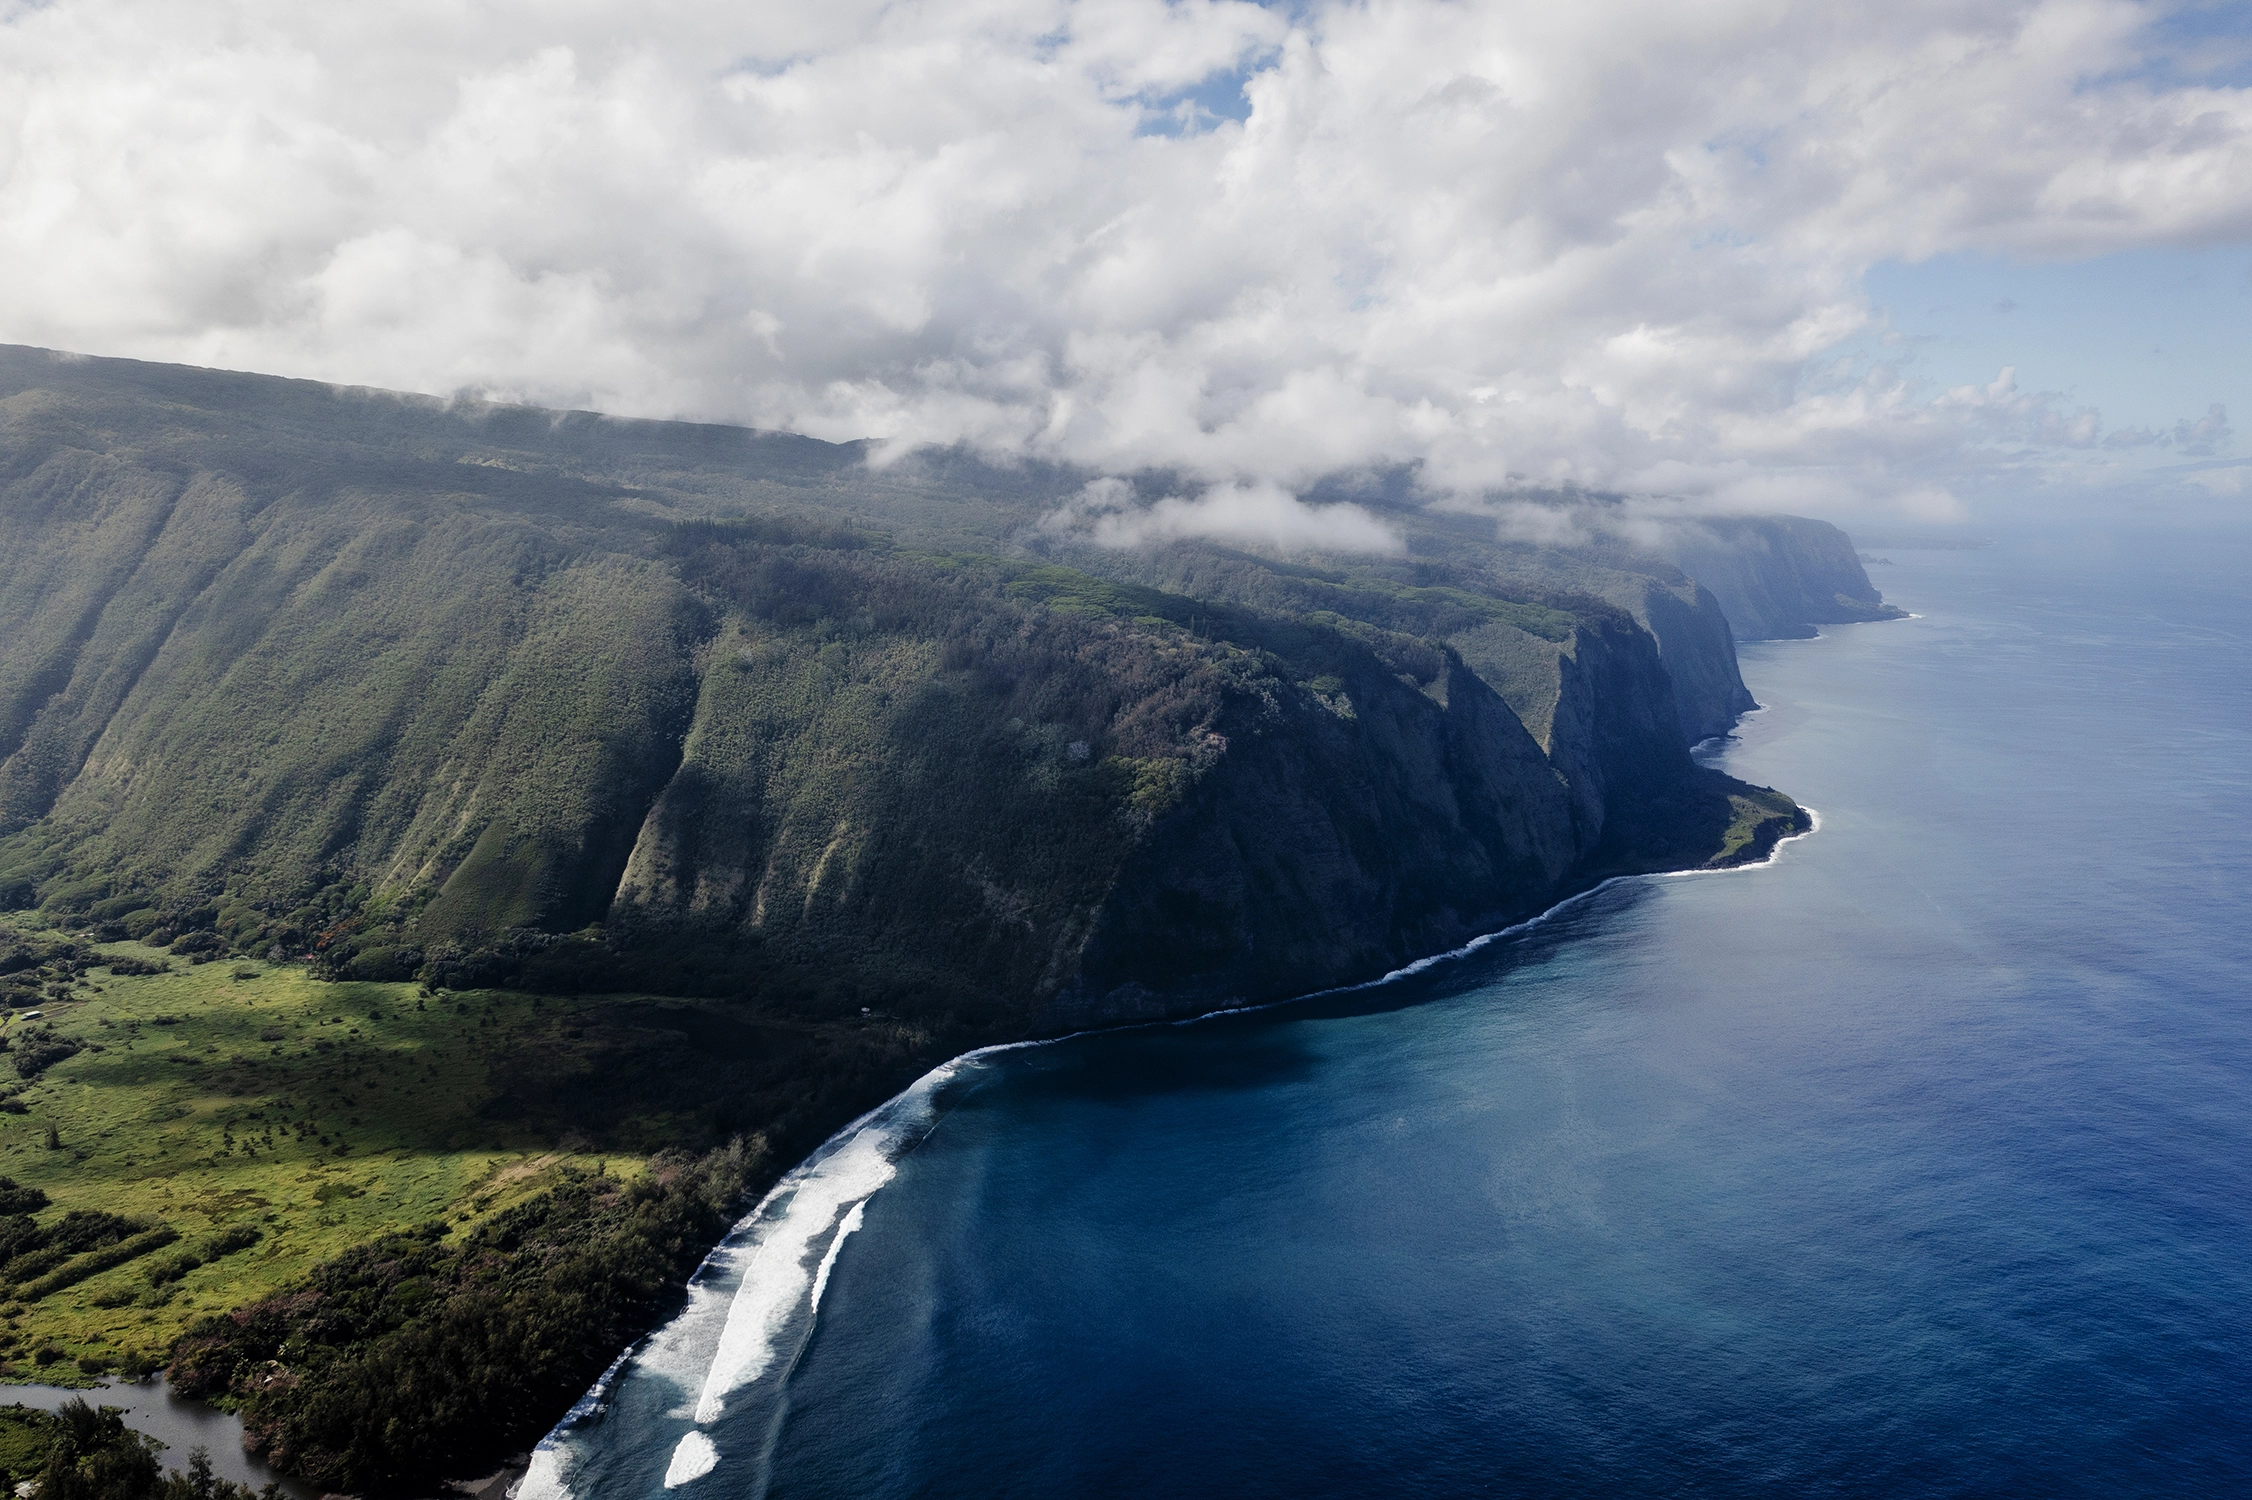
(1109, 513)
(2226, 482)
(1612, 245)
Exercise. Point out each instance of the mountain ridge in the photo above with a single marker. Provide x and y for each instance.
(454, 659)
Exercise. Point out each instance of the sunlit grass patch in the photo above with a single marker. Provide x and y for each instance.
(252, 1103)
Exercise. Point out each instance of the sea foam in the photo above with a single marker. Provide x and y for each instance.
(781, 1282)
(778, 1258)
(693, 1459)
(544, 1477)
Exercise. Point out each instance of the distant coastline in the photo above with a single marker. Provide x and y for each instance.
(1921, 541)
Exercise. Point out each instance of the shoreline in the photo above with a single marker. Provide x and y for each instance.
(1814, 826)
(759, 1312)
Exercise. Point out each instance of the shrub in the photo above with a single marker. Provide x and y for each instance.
(387, 1339)
(91, 1229)
(34, 1263)
(71, 897)
(17, 1199)
(173, 1267)
(94, 1262)
(36, 1047)
(384, 965)
(126, 966)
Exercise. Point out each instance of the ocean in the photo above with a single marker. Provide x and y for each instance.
(1916, 1162)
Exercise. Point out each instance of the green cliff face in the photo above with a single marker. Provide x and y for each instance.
(490, 694)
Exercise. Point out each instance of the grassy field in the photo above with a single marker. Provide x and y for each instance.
(233, 1095)
(25, 1437)
(238, 1094)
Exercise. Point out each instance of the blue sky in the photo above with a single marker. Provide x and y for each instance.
(2148, 337)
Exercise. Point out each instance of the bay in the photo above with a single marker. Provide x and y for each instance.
(1917, 1162)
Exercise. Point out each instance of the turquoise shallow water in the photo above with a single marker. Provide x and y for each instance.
(1916, 1163)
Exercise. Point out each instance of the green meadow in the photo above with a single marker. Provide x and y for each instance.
(235, 1096)
(238, 1094)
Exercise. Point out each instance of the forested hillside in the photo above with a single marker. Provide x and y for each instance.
(424, 690)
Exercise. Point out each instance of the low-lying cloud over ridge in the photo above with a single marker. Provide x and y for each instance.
(1111, 513)
(1614, 245)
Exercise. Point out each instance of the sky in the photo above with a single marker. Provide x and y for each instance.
(1917, 261)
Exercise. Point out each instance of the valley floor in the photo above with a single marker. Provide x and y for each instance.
(234, 1096)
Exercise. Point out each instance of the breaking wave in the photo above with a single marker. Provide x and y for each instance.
(751, 1304)
(821, 1209)
(693, 1459)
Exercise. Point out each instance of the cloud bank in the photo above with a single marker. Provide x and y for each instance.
(1613, 245)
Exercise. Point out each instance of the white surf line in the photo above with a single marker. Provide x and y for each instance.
(829, 1261)
(771, 1243)
(819, 1203)
(543, 1477)
(776, 1280)
(764, 1463)
(1814, 826)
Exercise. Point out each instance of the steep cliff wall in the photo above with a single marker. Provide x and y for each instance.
(1695, 644)
(1427, 814)
(245, 685)
(1778, 577)
(1595, 684)
(1433, 821)
(1694, 639)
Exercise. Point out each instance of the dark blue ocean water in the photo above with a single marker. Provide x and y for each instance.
(1918, 1162)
